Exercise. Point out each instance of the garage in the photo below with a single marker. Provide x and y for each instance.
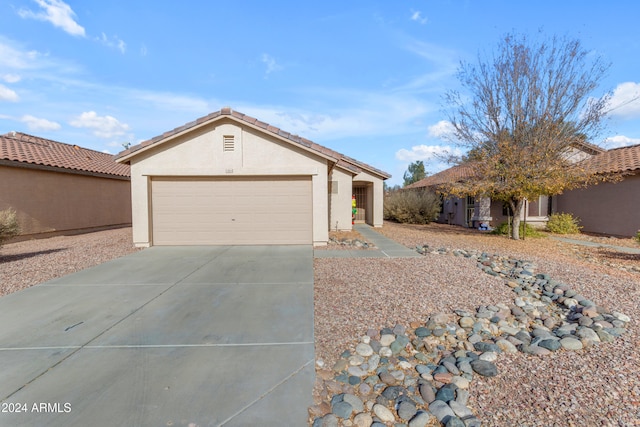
(256, 210)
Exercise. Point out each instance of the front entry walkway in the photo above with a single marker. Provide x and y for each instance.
(386, 248)
(169, 336)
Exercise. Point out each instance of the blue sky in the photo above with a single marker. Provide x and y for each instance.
(365, 78)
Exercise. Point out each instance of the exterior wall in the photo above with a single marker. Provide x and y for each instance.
(609, 208)
(453, 212)
(200, 153)
(340, 200)
(51, 202)
(375, 198)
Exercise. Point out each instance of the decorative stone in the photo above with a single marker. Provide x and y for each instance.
(440, 410)
(406, 410)
(484, 368)
(383, 413)
(342, 410)
(363, 419)
(571, 344)
(387, 339)
(427, 393)
(364, 350)
(421, 419)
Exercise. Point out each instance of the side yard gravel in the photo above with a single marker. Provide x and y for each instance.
(27, 263)
(598, 386)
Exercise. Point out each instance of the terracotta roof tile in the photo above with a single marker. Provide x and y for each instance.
(623, 159)
(340, 159)
(453, 174)
(20, 147)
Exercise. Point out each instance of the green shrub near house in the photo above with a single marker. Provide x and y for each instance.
(8, 225)
(563, 223)
(528, 231)
(411, 206)
(638, 236)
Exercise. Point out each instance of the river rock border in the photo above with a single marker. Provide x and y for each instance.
(420, 376)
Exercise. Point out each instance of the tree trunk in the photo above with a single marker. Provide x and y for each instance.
(516, 208)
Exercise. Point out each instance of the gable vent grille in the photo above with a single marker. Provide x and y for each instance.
(228, 143)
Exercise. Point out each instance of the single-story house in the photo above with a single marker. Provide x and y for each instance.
(611, 208)
(230, 179)
(606, 208)
(472, 211)
(57, 188)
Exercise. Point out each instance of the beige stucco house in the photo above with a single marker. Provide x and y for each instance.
(57, 188)
(228, 178)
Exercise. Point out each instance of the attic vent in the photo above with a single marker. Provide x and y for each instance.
(228, 143)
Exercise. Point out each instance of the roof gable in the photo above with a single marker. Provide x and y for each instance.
(339, 159)
(33, 150)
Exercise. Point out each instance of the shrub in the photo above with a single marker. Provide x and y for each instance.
(8, 225)
(638, 236)
(411, 206)
(503, 230)
(563, 223)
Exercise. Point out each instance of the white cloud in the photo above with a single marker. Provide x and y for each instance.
(621, 141)
(10, 78)
(427, 153)
(443, 130)
(416, 15)
(625, 101)
(34, 123)
(113, 42)
(103, 126)
(372, 114)
(271, 63)
(58, 13)
(7, 94)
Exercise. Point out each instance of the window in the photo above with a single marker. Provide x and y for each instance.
(228, 143)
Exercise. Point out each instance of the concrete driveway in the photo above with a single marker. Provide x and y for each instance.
(169, 336)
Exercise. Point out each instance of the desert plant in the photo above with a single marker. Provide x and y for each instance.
(504, 230)
(411, 206)
(8, 225)
(638, 236)
(563, 223)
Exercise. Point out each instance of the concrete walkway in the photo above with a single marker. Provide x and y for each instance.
(597, 245)
(386, 248)
(169, 336)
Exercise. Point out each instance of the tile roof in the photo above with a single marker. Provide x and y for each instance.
(23, 148)
(623, 159)
(340, 159)
(453, 174)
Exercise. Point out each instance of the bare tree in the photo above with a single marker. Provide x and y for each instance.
(526, 112)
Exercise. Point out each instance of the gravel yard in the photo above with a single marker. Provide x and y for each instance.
(599, 386)
(27, 263)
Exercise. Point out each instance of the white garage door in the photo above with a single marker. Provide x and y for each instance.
(238, 211)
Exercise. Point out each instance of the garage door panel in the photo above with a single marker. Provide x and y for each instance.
(256, 210)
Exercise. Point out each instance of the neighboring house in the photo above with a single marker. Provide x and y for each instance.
(228, 179)
(470, 211)
(56, 188)
(608, 208)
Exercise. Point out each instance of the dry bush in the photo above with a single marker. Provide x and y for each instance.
(8, 225)
(411, 206)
